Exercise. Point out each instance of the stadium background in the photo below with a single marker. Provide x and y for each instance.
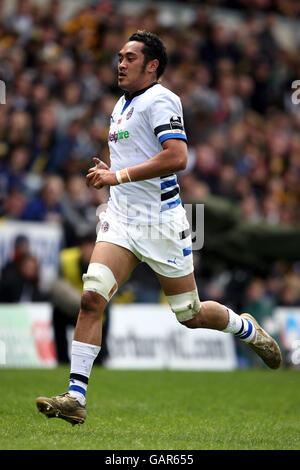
(233, 64)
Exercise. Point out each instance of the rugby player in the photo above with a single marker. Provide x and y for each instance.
(145, 221)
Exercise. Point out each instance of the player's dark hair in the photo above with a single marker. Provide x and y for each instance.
(153, 49)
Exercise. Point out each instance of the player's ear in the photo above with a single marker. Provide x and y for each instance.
(152, 65)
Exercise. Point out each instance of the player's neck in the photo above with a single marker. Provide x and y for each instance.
(132, 93)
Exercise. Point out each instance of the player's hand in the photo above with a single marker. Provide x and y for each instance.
(100, 175)
(92, 178)
(99, 178)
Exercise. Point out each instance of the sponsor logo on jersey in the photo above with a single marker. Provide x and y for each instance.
(115, 136)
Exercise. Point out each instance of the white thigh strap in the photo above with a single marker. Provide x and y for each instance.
(99, 278)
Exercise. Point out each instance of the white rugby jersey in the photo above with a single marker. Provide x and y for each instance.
(139, 125)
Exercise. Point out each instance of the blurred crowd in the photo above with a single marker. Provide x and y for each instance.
(289, 8)
(235, 87)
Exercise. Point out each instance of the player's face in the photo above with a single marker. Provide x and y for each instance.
(132, 74)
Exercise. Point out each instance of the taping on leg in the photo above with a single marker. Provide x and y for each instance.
(185, 306)
(99, 278)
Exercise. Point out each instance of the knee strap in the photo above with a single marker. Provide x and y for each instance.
(99, 278)
(185, 306)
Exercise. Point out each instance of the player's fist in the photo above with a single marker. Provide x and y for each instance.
(98, 177)
(93, 177)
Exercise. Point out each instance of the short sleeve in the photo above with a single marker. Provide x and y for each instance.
(166, 118)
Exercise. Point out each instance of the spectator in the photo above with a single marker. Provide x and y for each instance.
(290, 290)
(249, 209)
(13, 206)
(79, 214)
(50, 146)
(261, 306)
(46, 206)
(19, 129)
(258, 302)
(14, 174)
(39, 97)
(21, 249)
(22, 284)
(69, 107)
(22, 20)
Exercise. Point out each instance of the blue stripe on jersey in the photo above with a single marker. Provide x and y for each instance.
(127, 103)
(170, 205)
(187, 251)
(176, 135)
(167, 184)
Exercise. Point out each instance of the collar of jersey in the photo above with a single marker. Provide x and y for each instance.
(139, 92)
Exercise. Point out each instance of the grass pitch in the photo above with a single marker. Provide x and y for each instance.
(254, 409)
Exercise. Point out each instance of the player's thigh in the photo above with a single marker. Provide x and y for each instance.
(117, 258)
(177, 285)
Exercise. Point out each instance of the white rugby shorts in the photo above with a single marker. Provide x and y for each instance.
(165, 247)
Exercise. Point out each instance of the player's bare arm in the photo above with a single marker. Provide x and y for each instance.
(171, 159)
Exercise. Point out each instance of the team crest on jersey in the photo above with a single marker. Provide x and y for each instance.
(129, 114)
(175, 122)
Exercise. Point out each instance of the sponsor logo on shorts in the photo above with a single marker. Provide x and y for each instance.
(104, 226)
